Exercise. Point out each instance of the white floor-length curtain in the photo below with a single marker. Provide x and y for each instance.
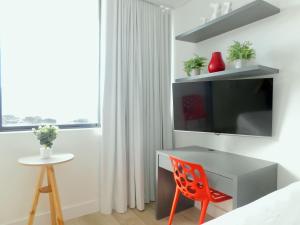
(136, 119)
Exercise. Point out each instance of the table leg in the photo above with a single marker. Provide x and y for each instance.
(56, 199)
(36, 196)
(51, 200)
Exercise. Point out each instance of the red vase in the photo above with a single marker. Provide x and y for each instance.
(216, 63)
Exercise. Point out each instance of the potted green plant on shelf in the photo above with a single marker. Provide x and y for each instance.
(46, 134)
(194, 65)
(241, 53)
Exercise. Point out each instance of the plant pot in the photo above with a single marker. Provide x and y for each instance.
(195, 72)
(45, 152)
(240, 63)
(216, 63)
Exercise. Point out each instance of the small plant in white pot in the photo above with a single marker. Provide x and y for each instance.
(241, 53)
(46, 134)
(194, 65)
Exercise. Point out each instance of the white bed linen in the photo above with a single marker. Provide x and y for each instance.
(278, 208)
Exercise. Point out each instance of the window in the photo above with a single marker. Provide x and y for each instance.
(49, 63)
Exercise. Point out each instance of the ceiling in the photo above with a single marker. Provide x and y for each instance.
(169, 3)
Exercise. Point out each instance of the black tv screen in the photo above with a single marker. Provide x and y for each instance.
(224, 106)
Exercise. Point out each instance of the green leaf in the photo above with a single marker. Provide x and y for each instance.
(46, 134)
(240, 50)
(197, 62)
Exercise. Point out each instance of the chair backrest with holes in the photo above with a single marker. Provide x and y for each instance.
(190, 179)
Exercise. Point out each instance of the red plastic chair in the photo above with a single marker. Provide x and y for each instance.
(191, 182)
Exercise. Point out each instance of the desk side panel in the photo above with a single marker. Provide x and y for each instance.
(255, 185)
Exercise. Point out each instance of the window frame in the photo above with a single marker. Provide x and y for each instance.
(61, 126)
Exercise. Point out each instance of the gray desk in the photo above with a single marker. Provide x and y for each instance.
(245, 179)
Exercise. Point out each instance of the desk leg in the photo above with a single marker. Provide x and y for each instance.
(165, 194)
(36, 195)
(56, 199)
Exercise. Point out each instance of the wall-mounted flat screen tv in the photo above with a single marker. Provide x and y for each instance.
(224, 106)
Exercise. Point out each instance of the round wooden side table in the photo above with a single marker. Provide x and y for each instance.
(51, 188)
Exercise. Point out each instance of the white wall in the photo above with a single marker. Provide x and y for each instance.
(77, 180)
(276, 40)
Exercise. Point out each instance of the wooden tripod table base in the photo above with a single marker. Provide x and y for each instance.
(51, 187)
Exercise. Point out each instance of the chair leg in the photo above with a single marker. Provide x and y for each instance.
(174, 205)
(204, 206)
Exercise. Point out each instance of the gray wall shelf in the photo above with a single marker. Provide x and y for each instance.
(246, 72)
(247, 14)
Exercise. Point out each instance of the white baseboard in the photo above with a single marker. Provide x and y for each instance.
(69, 212)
